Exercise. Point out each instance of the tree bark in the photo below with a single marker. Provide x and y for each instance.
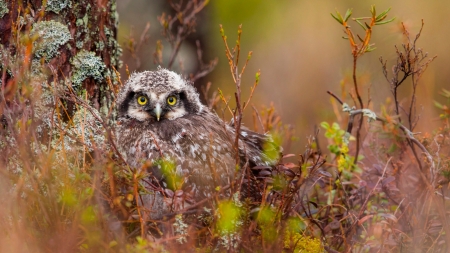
(69, 42)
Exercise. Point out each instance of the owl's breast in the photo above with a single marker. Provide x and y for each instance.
(201, 151)
(136, 142)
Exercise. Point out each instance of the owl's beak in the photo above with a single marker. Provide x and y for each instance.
(157, 111)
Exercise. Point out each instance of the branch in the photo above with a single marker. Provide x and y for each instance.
(372, 116)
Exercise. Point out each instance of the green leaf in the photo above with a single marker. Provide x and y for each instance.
(347, 14)
(382, 14)
(381, 19)
(370, 49)
(331, 197)
(69, 197)
(334, 149)
(438, 105)
(88, 215)
(445, 93)
(229, 216)
(385, 22)
(329, 134)
(325, 125)
(337, 19)
(373, 11)
(357, 169)
(359, 22)
(113, 244)
(169, 170)
(335, 126)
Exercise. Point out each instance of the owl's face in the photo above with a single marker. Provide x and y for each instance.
(157, 95)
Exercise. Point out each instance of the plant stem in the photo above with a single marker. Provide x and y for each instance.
(358, 131)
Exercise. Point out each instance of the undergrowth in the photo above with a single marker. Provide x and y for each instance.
(378, 187)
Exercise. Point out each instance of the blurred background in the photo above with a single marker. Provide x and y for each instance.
(299, 49)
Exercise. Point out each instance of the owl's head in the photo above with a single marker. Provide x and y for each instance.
(157, 95)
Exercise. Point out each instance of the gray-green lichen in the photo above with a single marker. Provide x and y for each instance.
(84, 133)
(82, 35)
(86, 64)
(52, 36)
(100, 45)
(3, 8)
(114, 13)
(79, 22)
(79, 44)
(180, 228)
(115, 47)
(57, 5)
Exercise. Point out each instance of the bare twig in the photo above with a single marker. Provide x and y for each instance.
(409, 64)
(186, 17)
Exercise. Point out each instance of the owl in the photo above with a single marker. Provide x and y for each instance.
(187, 150)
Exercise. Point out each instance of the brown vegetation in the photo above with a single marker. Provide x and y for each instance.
(66, 188)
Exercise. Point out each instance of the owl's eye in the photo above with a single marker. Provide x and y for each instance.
(142, 100)
(171, 100)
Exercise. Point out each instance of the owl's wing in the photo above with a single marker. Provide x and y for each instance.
(260, 149)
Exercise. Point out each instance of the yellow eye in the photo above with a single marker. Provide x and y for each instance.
(142, 100)
(171, 100)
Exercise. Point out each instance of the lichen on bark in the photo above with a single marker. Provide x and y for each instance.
(86, 64)
(3, 8)
(51, 36)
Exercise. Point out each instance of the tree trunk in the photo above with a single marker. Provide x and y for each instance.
(62, 41)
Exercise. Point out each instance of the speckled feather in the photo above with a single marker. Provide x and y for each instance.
(189, 134)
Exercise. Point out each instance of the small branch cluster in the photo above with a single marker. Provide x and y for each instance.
(411, 62)
(233, 60)
(176, 29)
(358, 49)
(364, 45)
(184, 22)
(402, 170)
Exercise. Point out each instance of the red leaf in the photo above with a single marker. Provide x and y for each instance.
(363, 219)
